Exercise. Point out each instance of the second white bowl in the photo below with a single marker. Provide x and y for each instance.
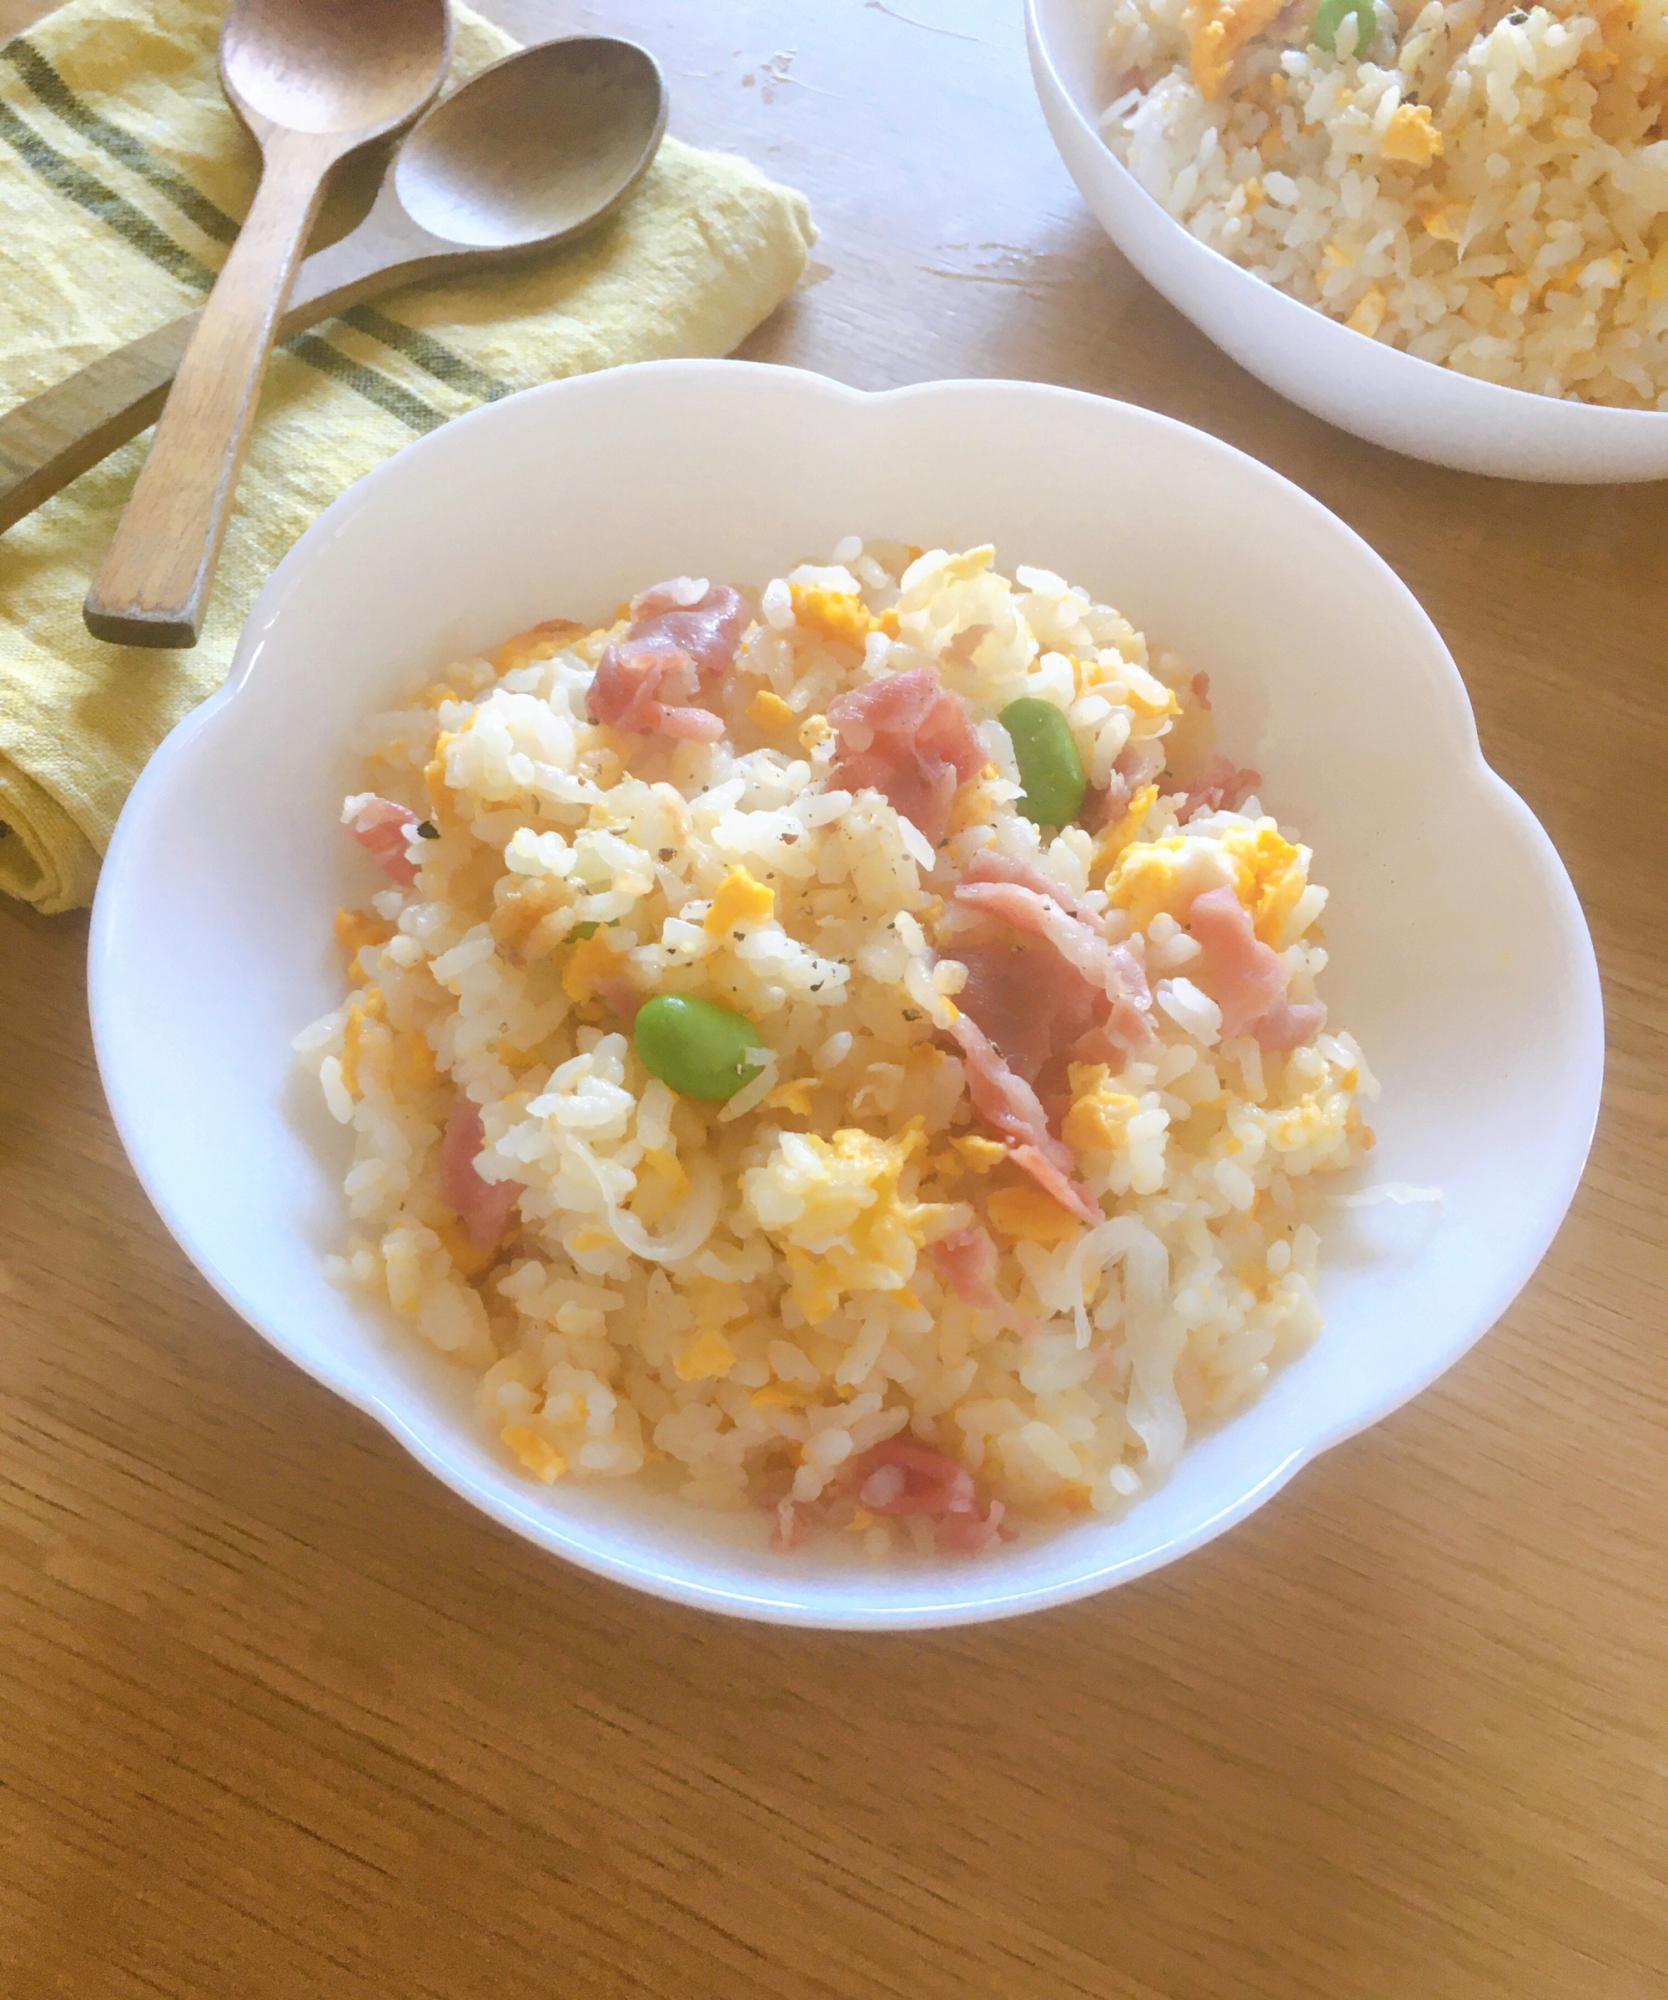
(1361, 385)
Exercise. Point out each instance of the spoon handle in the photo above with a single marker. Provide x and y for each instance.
(65, 430)
(57, 435)
(154, 585)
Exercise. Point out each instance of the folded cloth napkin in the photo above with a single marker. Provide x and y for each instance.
(121, 170)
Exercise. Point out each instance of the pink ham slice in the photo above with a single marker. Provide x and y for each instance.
(966, 1261)
(1246, 978)
(903, 1476)
(1137, 764)
(911, 740)
(1221, 783)
(1288, 1024)
(672, 653)
(619, 996)
(1224, 786)
(971, 1534)
(1028, 1001)
(385, 830)
(483, 1207)
(1016, 894)
(1012, 1109)
(989, 868)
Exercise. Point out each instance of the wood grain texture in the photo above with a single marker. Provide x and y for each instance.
(280, 1717)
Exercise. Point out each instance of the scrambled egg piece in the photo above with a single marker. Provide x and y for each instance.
(1266, 872)
(356, 928)
(353, 1031)
(781, 1396)
(839, 613)
(836, 1208)
(794, 1096)
(527, 921)
(414, 1065)
(443, 807)
(769, 711)
(1166, 874)
(1447, 223)
(1115, 838)
(1256, 1278)
(708, 1357)
(1272, 875)
(1368, 315)
(1615, 18)
(540, 1457)
(661, 1185)
(816, 1290)
(1148, 695)
(538, 642)
(592, 960)
(1318, 1116)
(972, 804)
(468, 1260)
(1098, 1121)
(1411, 137)
(1031, 1215)
(740, 900)
(1217, 30)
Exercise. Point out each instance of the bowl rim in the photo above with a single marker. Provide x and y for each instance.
(1508, 404)
(965, 1602)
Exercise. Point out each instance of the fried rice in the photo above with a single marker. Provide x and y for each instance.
(1011, 1189)
(1481, 184)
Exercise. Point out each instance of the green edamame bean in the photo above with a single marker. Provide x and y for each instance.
(1329, 18)
(695, 1046)
(1049, 767)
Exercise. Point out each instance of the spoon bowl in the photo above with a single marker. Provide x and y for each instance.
(365, 69)
(541, 145)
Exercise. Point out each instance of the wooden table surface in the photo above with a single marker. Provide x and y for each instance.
(279, 1716)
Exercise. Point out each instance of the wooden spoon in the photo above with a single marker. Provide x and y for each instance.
(314, 80)
(523, 158)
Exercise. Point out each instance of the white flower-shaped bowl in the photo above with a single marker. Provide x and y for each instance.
(1362, 385)
(1460, 957)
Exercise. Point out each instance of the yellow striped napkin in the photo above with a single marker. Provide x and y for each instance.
(121, 173)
